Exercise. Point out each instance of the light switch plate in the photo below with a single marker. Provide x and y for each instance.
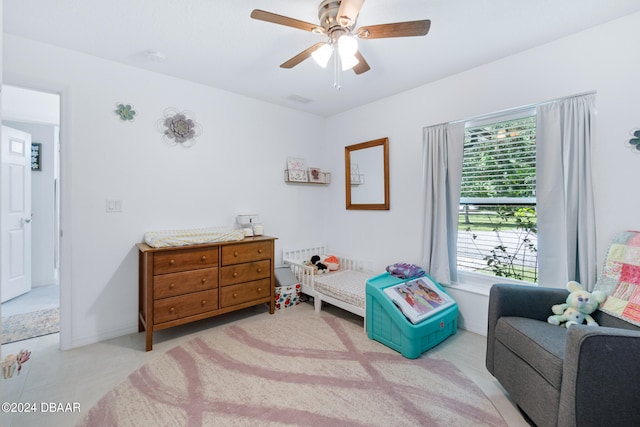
(114, 205)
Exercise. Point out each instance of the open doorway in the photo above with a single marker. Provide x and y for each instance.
(36, 311)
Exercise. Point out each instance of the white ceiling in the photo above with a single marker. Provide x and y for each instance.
(216, 43)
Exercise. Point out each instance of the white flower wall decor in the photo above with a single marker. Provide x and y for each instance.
(179, 127)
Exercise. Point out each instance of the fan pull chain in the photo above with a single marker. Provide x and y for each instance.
(336, 71)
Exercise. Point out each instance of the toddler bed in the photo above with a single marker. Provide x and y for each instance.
(343, 288)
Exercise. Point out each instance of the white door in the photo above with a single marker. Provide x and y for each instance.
(15, 215)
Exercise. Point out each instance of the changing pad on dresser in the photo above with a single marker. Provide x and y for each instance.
(194, 236)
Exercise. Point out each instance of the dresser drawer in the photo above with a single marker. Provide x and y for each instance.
(183, 260)
(245, 272)
(236, 254)
(244, 292)
(186, 282)
(174, 308)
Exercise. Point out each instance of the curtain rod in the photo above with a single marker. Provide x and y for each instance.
(514, 110)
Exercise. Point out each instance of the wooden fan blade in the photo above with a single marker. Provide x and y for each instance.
(398, 29)
(361, 66)
(301, 56)
(348, 12)
(285, 20)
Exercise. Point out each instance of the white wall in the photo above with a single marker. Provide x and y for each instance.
(237, 163)
(602, 59)
(26, 105)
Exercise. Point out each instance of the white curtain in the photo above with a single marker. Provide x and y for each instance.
(566, 218)
(443, 147)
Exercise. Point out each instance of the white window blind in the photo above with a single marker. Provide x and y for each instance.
(497, 221)
(500, 162)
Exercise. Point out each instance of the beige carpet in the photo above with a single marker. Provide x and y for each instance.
(30, 325)
(289, 369)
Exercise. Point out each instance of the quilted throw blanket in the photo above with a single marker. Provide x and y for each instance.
(620, 278)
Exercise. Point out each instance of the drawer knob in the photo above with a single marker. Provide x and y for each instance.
(235, 254)
(203, 258)
(235, 274)
(235, 295)
(172, 261)
(204, 301)
(172, 285)
(259, 270)
(259, 251)
(259, 289)
(172, 310)
(204, 280)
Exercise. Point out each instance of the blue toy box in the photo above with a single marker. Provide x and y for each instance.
(386, 324)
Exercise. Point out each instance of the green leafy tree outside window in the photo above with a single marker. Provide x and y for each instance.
(497, 165)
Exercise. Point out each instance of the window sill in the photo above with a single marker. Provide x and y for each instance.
(480, 284)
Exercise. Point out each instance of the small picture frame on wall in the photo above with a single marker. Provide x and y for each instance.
(297, 169)
(36, 156)
(316, 175)
(296, 163)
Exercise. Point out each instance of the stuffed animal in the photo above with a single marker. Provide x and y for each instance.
(320, 267)
(577, 308)
(332, 262)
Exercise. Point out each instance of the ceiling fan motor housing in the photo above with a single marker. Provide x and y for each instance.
(328, 15)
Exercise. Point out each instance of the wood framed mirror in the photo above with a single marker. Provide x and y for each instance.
(367, 175)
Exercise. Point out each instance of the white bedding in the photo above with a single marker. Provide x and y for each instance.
(194, 236)
(345, 285)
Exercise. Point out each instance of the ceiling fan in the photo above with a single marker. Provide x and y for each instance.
(337, 22)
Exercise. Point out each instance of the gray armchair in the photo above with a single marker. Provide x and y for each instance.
(580, 376)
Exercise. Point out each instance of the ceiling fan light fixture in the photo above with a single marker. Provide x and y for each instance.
(347, 45)
(322, 55)
(348, 62)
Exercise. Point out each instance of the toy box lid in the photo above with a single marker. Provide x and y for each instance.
(284, 276)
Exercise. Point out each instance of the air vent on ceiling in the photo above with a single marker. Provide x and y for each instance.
(299, 99)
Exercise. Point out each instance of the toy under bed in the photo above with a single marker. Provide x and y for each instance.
(344, 288)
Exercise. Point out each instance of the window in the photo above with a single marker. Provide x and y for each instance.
(497, 219)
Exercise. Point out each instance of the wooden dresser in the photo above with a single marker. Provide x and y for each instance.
(178, 285)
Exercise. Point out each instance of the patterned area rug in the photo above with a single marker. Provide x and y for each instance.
(30, 325)
(316, 370)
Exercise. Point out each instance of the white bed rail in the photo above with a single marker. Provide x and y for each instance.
(298, 255)
(303, 253)
(304, 274)
(351, 264)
